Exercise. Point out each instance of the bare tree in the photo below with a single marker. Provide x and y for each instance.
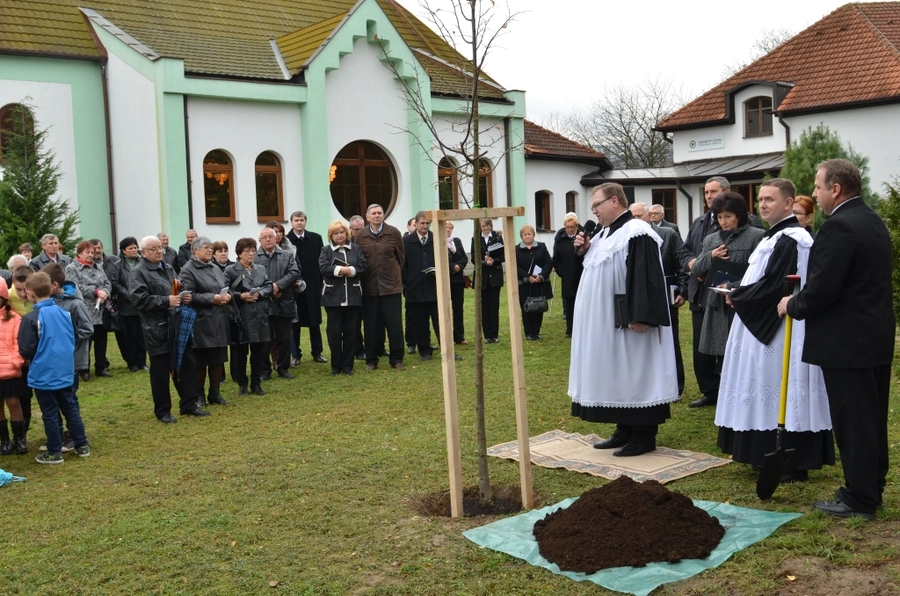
(621, 124)
(472, 27)
(768, 41)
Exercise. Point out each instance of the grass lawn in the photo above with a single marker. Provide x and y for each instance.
(311, 490)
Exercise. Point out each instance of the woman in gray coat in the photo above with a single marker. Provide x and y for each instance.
(250, 288)
(210, 298)
(95, 290)
(340, 263)
(734, 243)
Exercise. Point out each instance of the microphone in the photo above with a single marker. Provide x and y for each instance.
(97, 305)
(589, 228)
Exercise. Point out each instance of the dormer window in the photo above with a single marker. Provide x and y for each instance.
(758, 117)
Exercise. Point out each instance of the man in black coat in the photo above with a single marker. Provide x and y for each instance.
(309, 302)
(170, 256)
(150, 287)
(51, 253)
(184, 251)
(419, 283)
(676, 279)
(658, 218)
(492, 258)
(707, 368)
(847, 306)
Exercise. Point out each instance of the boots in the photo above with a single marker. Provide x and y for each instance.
(6, 447)
(214, 397)
(18, 429)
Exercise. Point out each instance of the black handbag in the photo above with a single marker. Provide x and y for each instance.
(536, 304)
(236, 326)
(109, 316)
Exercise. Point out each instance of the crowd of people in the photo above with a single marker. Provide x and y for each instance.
(187, 312)
(739, 278)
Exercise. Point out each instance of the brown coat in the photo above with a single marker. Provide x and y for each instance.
(385, 256)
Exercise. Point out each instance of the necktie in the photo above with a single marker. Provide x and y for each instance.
(423, 239)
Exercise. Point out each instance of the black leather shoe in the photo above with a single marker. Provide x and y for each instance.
(411, 349)
(361, 356)
(632, 449)
(242, 390)
(295, 362)
(85, 376)
(457, 357)
(611, 443)
(216, 398)
(257, 390)
(134, 368)
(838, 508)
(703, 402)
(320, 359)
(426, 357)
(168, 419)
(103, 373)
(371, 367)
(198, 413)
(285, 374)
(791, 476)
(266, 375)
(398, 366)
(335, 373)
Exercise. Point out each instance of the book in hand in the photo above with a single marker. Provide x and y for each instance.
(337, 262)
(494, 247)
(722, 271)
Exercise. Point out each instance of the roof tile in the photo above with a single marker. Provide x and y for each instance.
(540, 142)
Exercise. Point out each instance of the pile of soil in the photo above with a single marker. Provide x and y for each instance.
(626, 524)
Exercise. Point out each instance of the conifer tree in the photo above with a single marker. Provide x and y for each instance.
(29, 206)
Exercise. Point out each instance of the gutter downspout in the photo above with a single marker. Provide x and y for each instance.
(187, 153)
(508, 148)
(787, 131)
(690, 200)
(109, 159)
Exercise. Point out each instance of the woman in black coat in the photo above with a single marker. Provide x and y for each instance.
(492, 257)
(568, 265)
(220, 256)
(533, 265)
(340, 263)
(210, 298)
(129, 335)
(250, 287)
(458, 261)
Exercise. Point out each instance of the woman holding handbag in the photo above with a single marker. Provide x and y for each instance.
(250, 287)
(533, 265)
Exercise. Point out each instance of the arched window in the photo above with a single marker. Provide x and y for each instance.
(362, 174)
(758, 117)
(485, 184)
(571, 200)
(269, 196)
(218, 187)
(448, 184)
(15, 118)
(542, 210)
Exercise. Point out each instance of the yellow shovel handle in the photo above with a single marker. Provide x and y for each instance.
(785, 369)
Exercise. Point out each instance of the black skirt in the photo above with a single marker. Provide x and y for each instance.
(648, 415)
(14, 388)
(812, 450)
(210, 356)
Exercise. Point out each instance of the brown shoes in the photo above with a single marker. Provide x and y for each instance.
(398, 366)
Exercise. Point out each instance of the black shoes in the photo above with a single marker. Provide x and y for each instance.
(492, 340)
(198, 413)
(371, 367)
(242, 390)
(168, 419)
(791, 476)
(103, 373)
(216, 398)
(411, 349)
(838, 508)
(703, 402)
(295, 362)
(266, 375)
(85, 376)
(426, 357)
(320, 359)
(632, 449)
(257, 389)
(457, 357)
(611, 443)
(285, 374)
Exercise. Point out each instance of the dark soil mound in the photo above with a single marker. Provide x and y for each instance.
(624, 524)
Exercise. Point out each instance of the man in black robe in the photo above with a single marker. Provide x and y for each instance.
(637, 404)
(756, 305)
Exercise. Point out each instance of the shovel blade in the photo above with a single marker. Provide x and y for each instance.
(774, 467)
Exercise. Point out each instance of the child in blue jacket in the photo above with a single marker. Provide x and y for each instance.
(47, 340)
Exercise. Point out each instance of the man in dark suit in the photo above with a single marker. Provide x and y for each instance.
(309, 302)
(847, 306)
(676, 279)
(707, 368)
(419, 283)
(184, 251)
(658, 219)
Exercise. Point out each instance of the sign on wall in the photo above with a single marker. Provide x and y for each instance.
(707, 143)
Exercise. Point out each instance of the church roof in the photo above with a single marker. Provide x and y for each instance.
(229, 38)
(847, 59)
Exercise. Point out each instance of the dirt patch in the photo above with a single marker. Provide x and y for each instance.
(507, 499)
(810, 575)
(627, 524)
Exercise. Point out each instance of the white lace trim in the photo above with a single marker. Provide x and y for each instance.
(603, 249)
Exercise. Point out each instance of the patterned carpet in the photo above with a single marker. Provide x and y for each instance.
(558, 449)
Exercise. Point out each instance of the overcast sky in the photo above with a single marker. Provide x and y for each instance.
(562, 52)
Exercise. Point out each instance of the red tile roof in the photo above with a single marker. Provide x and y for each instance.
(849, 57)
(543, 143)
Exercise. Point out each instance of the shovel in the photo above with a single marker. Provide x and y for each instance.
(776, 463)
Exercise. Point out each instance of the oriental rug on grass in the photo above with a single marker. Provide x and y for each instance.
(558, 449)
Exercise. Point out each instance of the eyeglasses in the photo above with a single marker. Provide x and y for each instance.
(151, 248)
(800, 213)
(596, 204)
